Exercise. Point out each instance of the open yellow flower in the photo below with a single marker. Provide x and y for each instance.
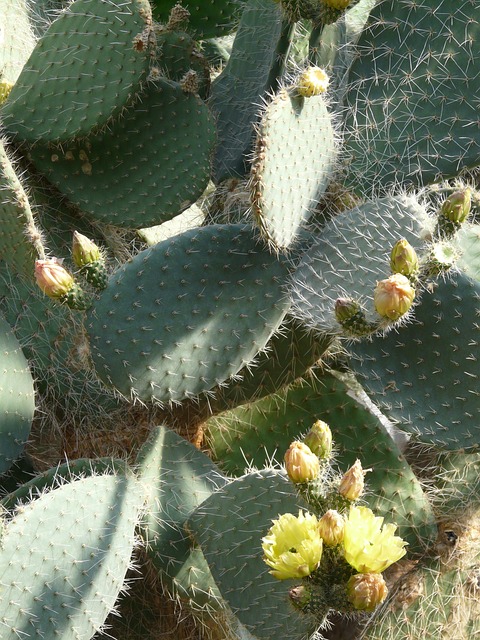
(293, 546)
(368, 546)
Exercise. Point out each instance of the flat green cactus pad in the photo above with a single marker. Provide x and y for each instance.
(411, 100)
(294, 159)
(468, 241)
(17, 398)
(163, 144)
(426, 376)
(229, 527)
(187, 314)
(64, 558)
(351, 254)
(71, 83)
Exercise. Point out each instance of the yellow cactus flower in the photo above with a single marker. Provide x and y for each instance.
(312, 82)
(293, 546)
(368, 546)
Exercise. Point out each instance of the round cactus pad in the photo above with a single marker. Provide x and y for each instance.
(187, 314)
(71, 82)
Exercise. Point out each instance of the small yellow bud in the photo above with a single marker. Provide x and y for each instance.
(53, 279)
(366, 591)
(312, 82)
(84, 251)
(331, 527)
(393, 297)
(352, 484)
(404, 259)
(301, 463)
(319, 439)
(456, 207)
(5, 88)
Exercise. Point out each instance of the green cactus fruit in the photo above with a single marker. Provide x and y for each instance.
(229, 527)
(17, 398)
(165, 142)
(395, 132)
(253, 434)
(350, 256)
(64, 557)
(206, 19)
(71, 82)
(244, 83)
(293, 162)
(204, 304)
(426, 375)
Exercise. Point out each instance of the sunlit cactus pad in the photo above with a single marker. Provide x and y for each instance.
(229, 527)
(144, 169)
(412, 101)
(188, 313)
(64, 558)
(71, 82)
(350, 255)
(426, 375)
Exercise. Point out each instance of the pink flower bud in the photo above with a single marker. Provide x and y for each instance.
(301, 463)
(393, 297)
(353, 483)
(53, 279)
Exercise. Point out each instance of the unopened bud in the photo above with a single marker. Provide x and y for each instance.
(457, 206)
(53, 279)
(331, 527)
(366, 591)
(319, 439)
(84, 251)
(312, 82)
(301, 463)
(353, 482)
(393, 297)
(300, 596)
(351, 316)
(404, 259)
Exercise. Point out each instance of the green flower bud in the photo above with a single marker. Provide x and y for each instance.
(301, 463)
(404, 259)
(366, 591)
(457, 206)
(312, 82)
(351, 316)
(331, 527)
(393, 297)
(300, 596)
(319, 439)
(84, 251)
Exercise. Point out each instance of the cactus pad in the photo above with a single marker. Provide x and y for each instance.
(71, 82)
(187, 314)
(208, 19)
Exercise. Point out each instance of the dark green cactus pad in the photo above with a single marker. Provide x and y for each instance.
(254, 434)
(208, 18)
(229, 527)
(17, 39)
(239, 90)
(410, 59)
(351, 255)
(71, 83)
(17, 398)
(64, 557)
(293, 162)
(426, 376)
(176, 478)
(187, 314)
(164, 143)
(20, 238)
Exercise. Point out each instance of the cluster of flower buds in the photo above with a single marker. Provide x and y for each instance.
(346, 545)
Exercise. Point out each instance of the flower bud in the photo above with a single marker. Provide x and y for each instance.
(366, 591)
(331, 527)
(5, 88)
(351, 316)
(84, 251)
(352, 484)
(319, 439)
(393, 297)
(312, 82)
(53, 279)
(300, 596)
(404, 259)
(301, 463)
(457, 206)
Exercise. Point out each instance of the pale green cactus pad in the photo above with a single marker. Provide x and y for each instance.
(71, 82)
(229, 527)
(64, 557)
(17, 398)
(426, 375)
(17, 39)
(187, 314)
